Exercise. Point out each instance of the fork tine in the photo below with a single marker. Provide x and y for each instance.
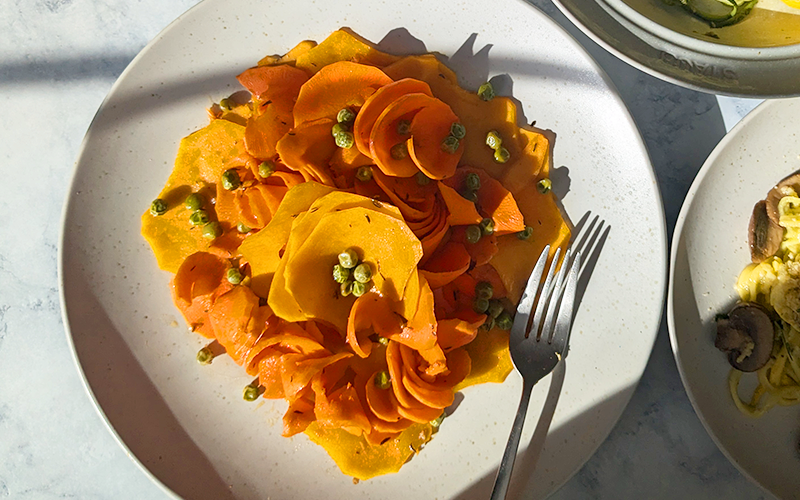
(552, 306)
(543, 297)
(562, 330)
(520, 325)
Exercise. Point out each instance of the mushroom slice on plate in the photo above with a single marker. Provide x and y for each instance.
(765, 233)
(747, 336)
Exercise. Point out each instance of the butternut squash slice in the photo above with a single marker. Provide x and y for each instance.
(342, 45)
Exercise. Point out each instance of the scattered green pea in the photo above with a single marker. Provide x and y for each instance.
(250, 392)
(493, 139)
(495, 308)
(487, 226)
(450, 144)
(403, 127)
(422, 179)
(362, 273)
(504, 321)
(158, 207)
(525, 233)
(234, 276)
(436, 422)
(243, 228)
(458, 131)
(346, 288)
(484, 289)
(399, 151)
(349, 258)
(345, 140)
(473, 234)
(501, 155)
(364, 174)
(480, 305)
(359, 289)
(345, 115)
(193, 202)
(383, 340)
(469, 194)
(544, 186)
(225, 103)
(488, 324)
(212, 230)
(473, 182)
(486, 91)
(204, 356)
(266, 168)
(199, 218)
(231, 180)
(382, 380)
(340, 274)
(339, 128)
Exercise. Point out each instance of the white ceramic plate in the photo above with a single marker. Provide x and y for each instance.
(709, 250)
(187, 425)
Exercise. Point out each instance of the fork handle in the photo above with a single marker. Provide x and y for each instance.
(507, 464)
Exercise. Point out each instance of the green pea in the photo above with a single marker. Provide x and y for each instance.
(399, 151)
(403, 127)
(544, 186)
(458, 131)
(436, 422)
(382, 380)
(225, 103)
(450, 144)
(422, 179)
(473, 182)
(488, 324)
(250, 392)
(484, 290)
(346, 288)
(340, 274)
(193, 202)
(345, 115)
(243, 228)
(359, 289)
(199, 218)
(383, 340)
(495, 308)
(362, 273)
(345, 140)
(480, 305)
(231, 180)
(473, 234)
(364, 174)
(158, 207)
(493, 139)
(348, 259)
(265, 169)
(469, 194)
(204, 356)
(525, 233)
(339, 128)
(487, 226)
(505, 321)
(486, 91)
(234, 276)
(212, 230)
(501, 155)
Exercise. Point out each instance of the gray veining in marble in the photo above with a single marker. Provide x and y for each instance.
(58, 58)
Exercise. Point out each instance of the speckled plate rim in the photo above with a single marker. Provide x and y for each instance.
(659, 227)
(707, 167)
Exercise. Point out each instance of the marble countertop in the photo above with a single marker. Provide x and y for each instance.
(58, 59)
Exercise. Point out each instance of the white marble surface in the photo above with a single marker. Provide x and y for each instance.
(58, 58)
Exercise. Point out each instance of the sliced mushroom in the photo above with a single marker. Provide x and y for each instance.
(765, 234)
(781, 189)
(747, 336)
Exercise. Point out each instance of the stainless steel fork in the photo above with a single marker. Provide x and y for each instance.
(536, 351)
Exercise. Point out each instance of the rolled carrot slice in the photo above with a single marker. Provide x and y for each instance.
(377, 102)
(298, 416)
(446, 264)
(454, 333)
(421, 415)
(460, 210)
(308, 149)
(494, 201)
(382, 402)
(428, 129)
(199, 281)
(263, 132)
(370, 314)
(339, 85)
(279, 84)
(384, 135)
(419, 332)
(433, 398)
